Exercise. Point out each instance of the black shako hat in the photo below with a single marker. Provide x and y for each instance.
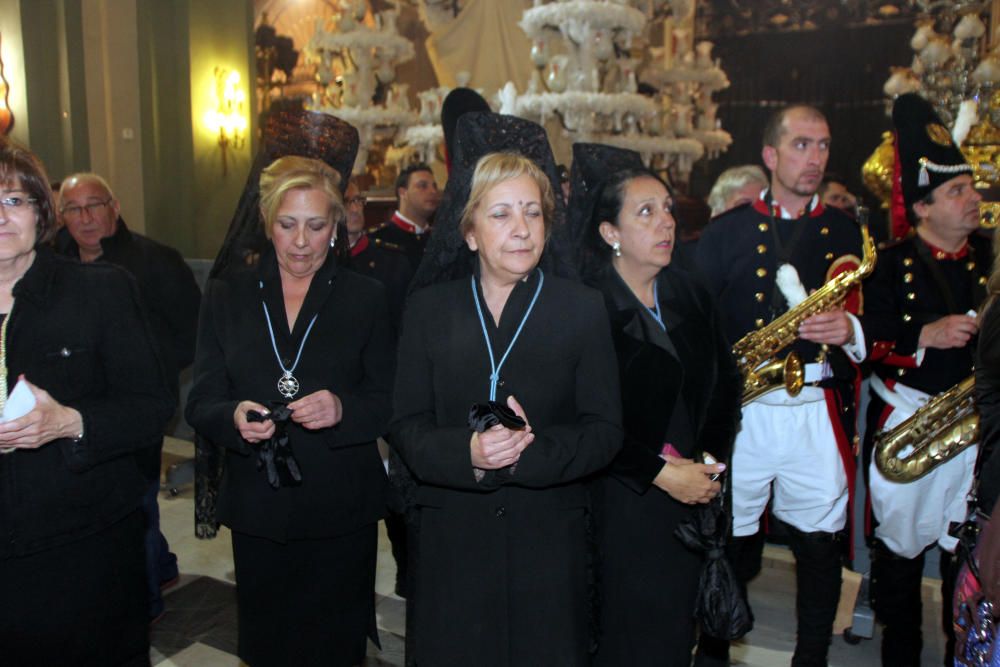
(926, 154)
(305, 133)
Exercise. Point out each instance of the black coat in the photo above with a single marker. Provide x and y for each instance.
(78, 332)
(988, 402)
(166, 285)
(349, 352)
(170, 296)
(680, 386)
(503, 567)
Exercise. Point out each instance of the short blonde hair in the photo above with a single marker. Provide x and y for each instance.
(495, 168)
(730, 181)
(294, 172)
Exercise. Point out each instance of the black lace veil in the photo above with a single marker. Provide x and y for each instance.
(478, 134)
(593, 166)
(308, 134)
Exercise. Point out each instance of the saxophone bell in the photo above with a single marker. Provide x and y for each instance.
(775, 374)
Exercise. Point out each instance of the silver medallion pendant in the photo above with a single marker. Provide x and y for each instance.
(288, 386)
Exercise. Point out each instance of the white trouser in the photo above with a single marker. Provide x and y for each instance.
(790, 442)
(913, 515)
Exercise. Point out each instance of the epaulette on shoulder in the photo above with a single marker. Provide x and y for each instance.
(387, 245)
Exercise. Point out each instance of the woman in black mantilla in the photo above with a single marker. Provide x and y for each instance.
(502, 573)
(680, 399)
(292, 377)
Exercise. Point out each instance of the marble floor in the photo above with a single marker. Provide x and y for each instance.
(199, 628)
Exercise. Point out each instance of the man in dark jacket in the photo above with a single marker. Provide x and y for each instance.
(94, 231)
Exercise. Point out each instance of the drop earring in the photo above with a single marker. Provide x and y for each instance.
(616, 248)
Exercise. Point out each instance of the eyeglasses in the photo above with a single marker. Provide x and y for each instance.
(73, 212)
(16, 204)
(357, 201)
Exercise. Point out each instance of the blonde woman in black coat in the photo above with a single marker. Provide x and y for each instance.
(502, 576)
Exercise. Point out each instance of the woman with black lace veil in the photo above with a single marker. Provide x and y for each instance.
(680, 398)
(506, 401)
(292, 378)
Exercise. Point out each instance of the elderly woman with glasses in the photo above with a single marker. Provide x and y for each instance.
(83, 395)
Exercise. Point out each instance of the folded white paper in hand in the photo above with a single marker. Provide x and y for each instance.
(20, 402)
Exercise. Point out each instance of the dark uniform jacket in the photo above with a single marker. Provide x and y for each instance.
(78, 333)
(348, 352)
(413, 245)
(904, 294)
(386, 263)
(737, 256)
(679, 386)
(502, 577)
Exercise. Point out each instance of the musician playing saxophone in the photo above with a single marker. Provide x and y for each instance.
(920, 325)
(802, 444)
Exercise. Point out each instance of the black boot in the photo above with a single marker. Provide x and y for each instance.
(745, 555)
(896, 601)
(818, 578)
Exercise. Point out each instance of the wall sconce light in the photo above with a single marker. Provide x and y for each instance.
(228, 118)
(6, 115)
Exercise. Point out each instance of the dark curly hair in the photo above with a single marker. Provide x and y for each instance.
(17, 162)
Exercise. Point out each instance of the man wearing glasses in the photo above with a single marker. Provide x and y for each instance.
(92, 230)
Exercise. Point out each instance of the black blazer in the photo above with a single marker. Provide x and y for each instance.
(502, 573)
(692, 362)
(77, 331)
(348, 352)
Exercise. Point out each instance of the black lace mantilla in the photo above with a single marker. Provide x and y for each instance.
(593, 164)
(478, 134)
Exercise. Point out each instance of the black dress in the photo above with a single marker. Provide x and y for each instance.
(502, 577)
(72, 565)
(305, 554)
(679, 386)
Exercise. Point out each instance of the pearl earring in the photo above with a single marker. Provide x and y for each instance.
(616, 248)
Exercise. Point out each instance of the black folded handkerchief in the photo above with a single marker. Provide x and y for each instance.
(275, 454)
(486, 415)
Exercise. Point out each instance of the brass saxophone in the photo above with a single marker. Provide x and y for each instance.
(937, 431)
(755, 351)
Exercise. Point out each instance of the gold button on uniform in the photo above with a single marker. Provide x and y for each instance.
(824, 231)
(761, 272)
(970, 266)
(907, 277)
(907, 261)
(759, 322)
(910, 296)
(982, 280)
(761, 249)
(759, 296)
(828, 256)
(762, 226)
(901, 372)
(907, 317)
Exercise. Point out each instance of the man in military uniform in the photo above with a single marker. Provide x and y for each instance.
(920, 327)
(410, 226)
(802, 445)
(384, 261)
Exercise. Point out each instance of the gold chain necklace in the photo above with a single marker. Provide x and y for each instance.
(3, 368)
